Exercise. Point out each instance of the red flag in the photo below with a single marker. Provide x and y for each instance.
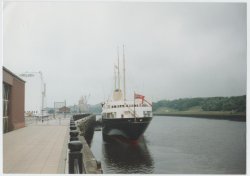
(138, 96)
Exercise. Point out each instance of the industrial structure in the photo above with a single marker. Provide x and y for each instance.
(35, 94)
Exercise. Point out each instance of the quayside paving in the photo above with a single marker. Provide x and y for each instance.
(37, 148)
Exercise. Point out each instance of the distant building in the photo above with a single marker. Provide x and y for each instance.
(74, 109)
(83, 104)
(64, 109)
(13, 101)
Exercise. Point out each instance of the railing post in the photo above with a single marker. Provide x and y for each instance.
(73, 135)
(99, 166)
(75, 157)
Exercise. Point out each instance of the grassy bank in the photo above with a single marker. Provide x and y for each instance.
(198, 112)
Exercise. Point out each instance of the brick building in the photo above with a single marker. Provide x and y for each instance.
(13, 101)
(64, 109)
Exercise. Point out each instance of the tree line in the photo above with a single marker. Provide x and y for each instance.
(235, 103)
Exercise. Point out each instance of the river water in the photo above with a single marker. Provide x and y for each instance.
(178, 145)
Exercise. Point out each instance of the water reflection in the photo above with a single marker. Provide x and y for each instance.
(126, 158)
(89, 135)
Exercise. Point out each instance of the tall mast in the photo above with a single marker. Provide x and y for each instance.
(124, 80)
(118, 68)
(115, 76)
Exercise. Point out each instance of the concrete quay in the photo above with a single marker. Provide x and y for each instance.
(85, 125)
(89, 161)
(37, 148)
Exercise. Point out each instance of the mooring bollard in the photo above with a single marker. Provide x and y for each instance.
(75, 157)
(72, 123)
(98, 164)
(73, 135)
(72, 127)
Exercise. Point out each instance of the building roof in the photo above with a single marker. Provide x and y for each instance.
(11, 73)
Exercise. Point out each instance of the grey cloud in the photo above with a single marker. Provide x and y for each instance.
(173, 50)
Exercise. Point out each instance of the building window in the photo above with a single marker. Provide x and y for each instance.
(6, 98)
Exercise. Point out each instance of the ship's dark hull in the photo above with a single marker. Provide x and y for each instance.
(129, 128)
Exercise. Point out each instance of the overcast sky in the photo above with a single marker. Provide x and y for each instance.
(173, 50)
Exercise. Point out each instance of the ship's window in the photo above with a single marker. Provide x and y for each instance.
(147, 113)
(126, 112)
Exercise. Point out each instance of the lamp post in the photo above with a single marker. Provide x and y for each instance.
(43, 85)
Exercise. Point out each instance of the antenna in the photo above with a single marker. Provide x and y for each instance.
(115, 75)
(124, 80)
(118, 68)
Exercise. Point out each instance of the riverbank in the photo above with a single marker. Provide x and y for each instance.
(218, 115)
(191, 146)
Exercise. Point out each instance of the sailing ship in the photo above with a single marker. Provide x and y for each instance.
(125, 118)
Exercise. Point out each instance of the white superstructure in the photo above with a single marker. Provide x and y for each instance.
(119, 107)
(126, 109)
